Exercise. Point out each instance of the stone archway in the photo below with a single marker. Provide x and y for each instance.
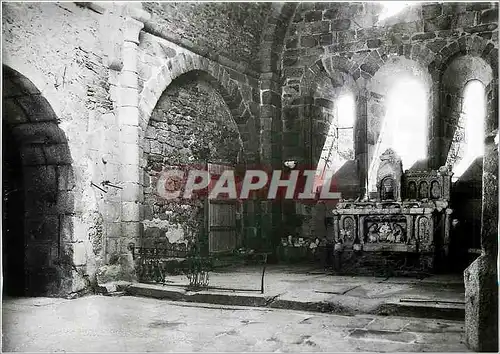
(481, 278)
(195, 121)
(39, 201)
(220, 78)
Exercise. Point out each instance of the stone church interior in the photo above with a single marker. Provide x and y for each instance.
(397, 105)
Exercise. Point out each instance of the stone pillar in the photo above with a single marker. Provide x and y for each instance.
(360, 141)
(130, 137)
(270, 155)
(434, 142)
(481, 278)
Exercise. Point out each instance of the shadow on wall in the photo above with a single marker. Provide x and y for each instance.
(466, 202)
(38, 197)
(346, 181)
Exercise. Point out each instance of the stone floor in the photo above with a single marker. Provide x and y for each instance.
(126, 324)
(299, 287)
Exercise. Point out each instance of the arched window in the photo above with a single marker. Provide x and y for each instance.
(339, 143)
(404, 128)
(468, 140)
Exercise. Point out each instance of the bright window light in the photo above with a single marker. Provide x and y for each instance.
(391, 8)
(404, 128)
(339, 143)
(346, 111)
(474, 111)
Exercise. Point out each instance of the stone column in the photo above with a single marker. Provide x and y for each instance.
(130, 137)
(360, 142)
(270, 154)
(481, 279)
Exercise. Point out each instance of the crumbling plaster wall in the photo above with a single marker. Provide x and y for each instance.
(161, 62)
(57, 47)
(190, 125)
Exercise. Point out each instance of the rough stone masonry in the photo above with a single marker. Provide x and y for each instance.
(98, 98)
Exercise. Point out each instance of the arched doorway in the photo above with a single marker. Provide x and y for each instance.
(38, 197)
(13, 215)
(191, 126)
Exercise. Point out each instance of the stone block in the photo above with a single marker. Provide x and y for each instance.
(373, 43)
(131, 134)
(431, 10)
(79, 254)
(478, 6)
(130, 154)
(111, 212)
(42, 228)
(340, 25)
(313, 16)
(481, 305)
(436, 45)
(57, 154)
(32, 155)
(67, 228)
(40, 178)
(423, 36)
(65, 202)
(331, 13)
(40, 133)
(489, 16)
(37, 108)
(320, 27)
(308, 41)
(481, 28)
(38, 255)
(450, 8)
(113, 230)
(465, 19)
(130, 211)
(326, 39)
(370, 68)
(271, 97)
(132, 192)
(439, 23)
(16, 114)
(486, 35)
(132, 231)
(129, 115)
(129, 79)
(128, 97)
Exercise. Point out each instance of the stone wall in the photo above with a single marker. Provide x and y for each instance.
(347, 45)
(55, 53)
(99, 71)
(161, 61)
(236, 35)
(191, 124)
(240, 93)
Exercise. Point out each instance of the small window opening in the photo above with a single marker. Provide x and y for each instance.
(468, 140)
(339, 143)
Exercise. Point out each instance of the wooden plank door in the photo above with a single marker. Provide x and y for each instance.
(223, 230)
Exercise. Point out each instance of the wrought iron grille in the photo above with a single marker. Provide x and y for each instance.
(152, 265)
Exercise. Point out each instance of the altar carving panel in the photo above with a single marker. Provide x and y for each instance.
(389, 229)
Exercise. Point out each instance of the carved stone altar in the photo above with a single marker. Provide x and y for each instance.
(410, 214)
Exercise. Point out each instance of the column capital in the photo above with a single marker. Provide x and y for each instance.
(131, 30)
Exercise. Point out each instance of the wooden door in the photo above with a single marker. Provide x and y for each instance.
(222, 218)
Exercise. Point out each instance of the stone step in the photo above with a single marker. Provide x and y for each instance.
(437, 310)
